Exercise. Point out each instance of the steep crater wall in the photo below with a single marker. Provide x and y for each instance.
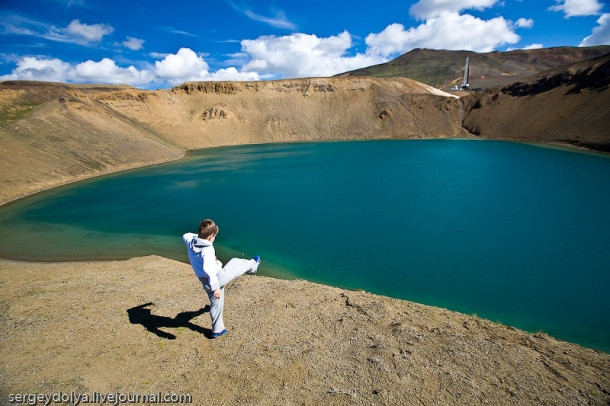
(56, 133)
(567, 105)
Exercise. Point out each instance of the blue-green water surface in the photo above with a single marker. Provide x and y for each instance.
(512, 232)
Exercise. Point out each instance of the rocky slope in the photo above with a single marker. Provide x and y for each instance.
(567, 105)
(140, 326)
(53, 133)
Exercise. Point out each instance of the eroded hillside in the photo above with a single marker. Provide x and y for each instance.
(55, 133)
(567, 105)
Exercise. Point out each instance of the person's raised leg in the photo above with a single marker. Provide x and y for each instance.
(237, 267)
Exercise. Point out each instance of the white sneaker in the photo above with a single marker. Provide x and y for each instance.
(257, 261)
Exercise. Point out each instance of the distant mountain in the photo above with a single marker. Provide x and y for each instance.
(444, 69)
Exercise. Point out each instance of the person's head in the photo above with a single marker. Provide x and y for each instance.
(208, 230)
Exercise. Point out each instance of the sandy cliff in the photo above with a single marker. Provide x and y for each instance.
(54, 133)
(566, 105)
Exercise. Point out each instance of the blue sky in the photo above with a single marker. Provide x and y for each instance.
(158, 44)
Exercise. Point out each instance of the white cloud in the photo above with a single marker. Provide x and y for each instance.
(174, 69)
(173, 30)
(187, 66)
(533, 46)
(88, 33)
(17, 25)
(106, 71)
(9, 58)
(600, 34)
(425, 9)
(56, 70)
(574, 8)
(75, 32)
(279, 20)
(158, 55)
(233, 74)
(448, 30)
(30, 68)
(302, 55)
(524, 23)
(393, 39)
(132, 43)
(444, 27)
(182, 66)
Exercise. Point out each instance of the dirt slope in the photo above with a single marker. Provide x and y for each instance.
(568, 105)
(54, 133)
(140, 326)
(199, 115)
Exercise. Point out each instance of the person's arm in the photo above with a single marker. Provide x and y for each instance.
(188, 237)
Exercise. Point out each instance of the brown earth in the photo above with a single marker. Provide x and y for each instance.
(54, 133)
(141, 326)
(567, 105)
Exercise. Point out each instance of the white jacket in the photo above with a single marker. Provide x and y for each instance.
(203, 259)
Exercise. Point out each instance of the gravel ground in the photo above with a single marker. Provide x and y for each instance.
(141, 327)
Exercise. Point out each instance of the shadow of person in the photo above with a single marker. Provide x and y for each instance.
(143, 315)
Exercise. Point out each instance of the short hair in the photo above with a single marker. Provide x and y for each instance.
(207, 228)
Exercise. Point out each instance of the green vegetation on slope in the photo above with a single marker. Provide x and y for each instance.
(445, 69)
(16, 112)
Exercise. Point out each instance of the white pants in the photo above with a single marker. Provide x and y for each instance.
(234, 268)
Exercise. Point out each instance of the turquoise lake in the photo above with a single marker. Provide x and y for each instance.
(514, 233)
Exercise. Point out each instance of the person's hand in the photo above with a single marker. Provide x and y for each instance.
(217, 293)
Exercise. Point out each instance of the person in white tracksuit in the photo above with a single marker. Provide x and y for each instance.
(210, 271)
